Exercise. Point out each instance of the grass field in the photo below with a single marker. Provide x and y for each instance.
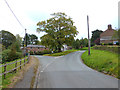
(7, 81)
(61, 53)
(103, 61)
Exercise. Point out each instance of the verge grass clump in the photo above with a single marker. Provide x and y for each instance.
(103, 61)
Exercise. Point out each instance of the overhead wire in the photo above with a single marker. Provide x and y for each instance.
(14, 15)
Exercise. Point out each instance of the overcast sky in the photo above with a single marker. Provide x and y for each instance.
(30, 12)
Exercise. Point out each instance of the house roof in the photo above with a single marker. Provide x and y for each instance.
(108, 32)
(35, 46)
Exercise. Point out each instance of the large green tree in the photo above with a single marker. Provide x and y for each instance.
(96, 36)
(59, 30)
(31, 39)
(7, 38)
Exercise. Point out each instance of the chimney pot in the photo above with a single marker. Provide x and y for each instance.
(109, 27)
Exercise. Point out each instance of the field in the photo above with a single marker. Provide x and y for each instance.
(7, 81)
(103, 61)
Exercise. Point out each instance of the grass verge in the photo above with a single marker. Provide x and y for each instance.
(36, 64)
(102, 61)
(61, 53)
(13, 78)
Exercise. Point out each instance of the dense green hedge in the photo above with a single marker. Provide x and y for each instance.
(40, 52)
(115, 49)
(8, 56)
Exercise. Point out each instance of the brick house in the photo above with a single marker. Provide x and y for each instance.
(36, 48)
(106, 36)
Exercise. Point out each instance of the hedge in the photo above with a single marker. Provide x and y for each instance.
(8, 56)
(40, 52)
(114, 49)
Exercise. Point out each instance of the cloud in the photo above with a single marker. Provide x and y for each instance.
(29, 12)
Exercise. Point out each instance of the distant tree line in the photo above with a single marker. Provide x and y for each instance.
(80, 43)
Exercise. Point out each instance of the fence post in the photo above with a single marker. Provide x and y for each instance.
(28, 58)
(5, 70)
(16, 66)
(24, 61)
(20, 63)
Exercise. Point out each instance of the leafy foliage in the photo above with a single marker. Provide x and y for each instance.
(76, 44)
(7, 38)
(96, 36)
(12, 50)
(30, 39)
(40, 52)
(59, 30)
(80, 43)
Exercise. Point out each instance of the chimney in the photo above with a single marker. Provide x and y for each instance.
(109, 27)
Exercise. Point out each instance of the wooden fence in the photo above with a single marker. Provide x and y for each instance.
(4, 72)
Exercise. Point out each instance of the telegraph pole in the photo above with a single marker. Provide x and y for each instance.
(88, 35)
(25, 43)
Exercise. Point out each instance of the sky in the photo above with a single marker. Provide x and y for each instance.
(30, 12)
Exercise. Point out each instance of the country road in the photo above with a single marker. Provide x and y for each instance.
(69, 72)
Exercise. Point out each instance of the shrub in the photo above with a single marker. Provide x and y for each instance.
(5, 55)
(105, 44)
(92, 44)
(8, 55)
(110, 43)
(43, 52)
(39, 53)
(31, 53)
(108, 48)
(46, 52)
(19, 55)
(117, 43)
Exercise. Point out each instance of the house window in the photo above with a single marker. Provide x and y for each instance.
(31, 47)
(38, 47)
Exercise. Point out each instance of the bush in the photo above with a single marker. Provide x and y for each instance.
(106, 44)
(5, 55)
(39, 53)
(117, 43)
(108, 48)
(31, 53)
(43, 52)
(8, 55)
(46, 52)
(19, 55)
(92, 44)
(110, 43)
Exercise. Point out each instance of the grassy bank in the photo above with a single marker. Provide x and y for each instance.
(103, 61)
(61, 53)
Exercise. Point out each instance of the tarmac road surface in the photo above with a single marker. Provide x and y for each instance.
(69, 72)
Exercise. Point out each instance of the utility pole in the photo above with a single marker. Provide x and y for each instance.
(88, 35)
(25, 43)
